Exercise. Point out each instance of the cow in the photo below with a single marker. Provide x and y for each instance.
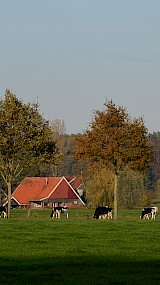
(57, 211)
(149, 212)
(103, 213)
(155, 210)
(3, 212)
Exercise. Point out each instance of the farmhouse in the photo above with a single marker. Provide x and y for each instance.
(48, 191)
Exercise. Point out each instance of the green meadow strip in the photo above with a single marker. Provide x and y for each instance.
(80, 250)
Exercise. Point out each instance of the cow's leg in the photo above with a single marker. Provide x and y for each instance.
(4, 215)
(58, 214)
(146, 216)
(109, 215)
(153, 216)
(52, 214)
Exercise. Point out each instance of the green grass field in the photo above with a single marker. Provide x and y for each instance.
(79, 250)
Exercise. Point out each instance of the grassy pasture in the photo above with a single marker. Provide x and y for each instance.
(79, 250)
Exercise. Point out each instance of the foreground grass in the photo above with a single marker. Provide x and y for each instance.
(79, 250)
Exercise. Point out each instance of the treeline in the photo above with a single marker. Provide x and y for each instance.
(114, 146)
(134, 190)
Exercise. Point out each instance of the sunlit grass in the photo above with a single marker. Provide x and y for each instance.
(79, 250)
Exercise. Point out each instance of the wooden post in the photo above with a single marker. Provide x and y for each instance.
(115, 198)
(9, 184)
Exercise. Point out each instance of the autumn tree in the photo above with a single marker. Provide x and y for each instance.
(25, 140)
(154, 171)
(116, 140)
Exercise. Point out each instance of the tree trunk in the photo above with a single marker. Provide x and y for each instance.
(9, 185)
(115, 197)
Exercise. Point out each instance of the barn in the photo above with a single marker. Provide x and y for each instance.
(47, 191)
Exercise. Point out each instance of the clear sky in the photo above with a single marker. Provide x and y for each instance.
(73, 54)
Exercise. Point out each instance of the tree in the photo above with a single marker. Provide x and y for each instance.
(154, 171)
(68, 165)
(99, 187)
(131, 188)
(157, 190)
(58, 128)
(116, 140)
(25, 140)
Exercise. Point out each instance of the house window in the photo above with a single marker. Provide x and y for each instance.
(75, 202)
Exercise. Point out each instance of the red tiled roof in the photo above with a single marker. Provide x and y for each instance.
(32, 188)
(39, 188)
(76, 182)
(70, 178)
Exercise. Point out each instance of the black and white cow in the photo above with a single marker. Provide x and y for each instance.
(103, 213)
(155, 210)
(3, 212)
(149, 212)
(57, 211)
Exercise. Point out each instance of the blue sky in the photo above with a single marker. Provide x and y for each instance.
(73, 54)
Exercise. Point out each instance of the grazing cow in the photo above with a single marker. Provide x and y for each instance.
(3, 212)
(57, 211)
(149, 211)
(103, 213)
(155, 210)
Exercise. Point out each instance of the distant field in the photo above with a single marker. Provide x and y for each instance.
(79, 250)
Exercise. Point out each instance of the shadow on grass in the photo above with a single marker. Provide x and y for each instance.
(78, 270)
